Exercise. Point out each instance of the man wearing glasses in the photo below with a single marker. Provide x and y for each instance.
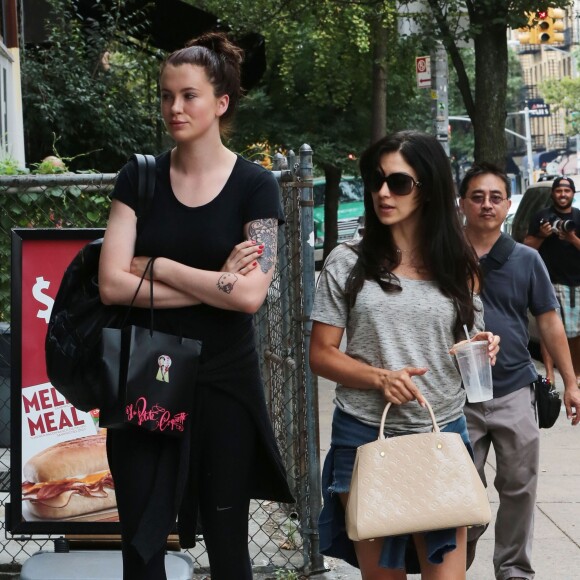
(553, 231)
(515, 280)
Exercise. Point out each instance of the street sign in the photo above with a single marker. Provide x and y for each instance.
(538, 108)
(423, 72)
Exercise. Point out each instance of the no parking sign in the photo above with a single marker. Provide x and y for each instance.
(423, 72)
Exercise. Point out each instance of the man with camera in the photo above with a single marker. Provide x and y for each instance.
(553, 231)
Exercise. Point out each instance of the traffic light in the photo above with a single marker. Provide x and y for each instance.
(557, 15)
(544, 27)
(550, 26)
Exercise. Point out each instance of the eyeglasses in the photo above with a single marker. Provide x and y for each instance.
(494, 198)
(398, 183)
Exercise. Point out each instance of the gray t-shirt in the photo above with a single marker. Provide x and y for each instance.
(392, 330)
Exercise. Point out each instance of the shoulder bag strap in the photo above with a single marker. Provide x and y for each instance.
(499, 253)
(145, 181)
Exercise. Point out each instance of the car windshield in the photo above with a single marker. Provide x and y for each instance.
(351, 190)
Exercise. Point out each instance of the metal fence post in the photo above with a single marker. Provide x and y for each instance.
(316, 561)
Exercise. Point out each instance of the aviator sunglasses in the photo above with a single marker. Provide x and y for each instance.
(398, 183)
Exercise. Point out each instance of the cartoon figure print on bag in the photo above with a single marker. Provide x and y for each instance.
(164, 362)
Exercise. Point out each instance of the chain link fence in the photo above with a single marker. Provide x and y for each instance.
(281, 536)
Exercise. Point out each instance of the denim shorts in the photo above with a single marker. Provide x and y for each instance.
(348, 433)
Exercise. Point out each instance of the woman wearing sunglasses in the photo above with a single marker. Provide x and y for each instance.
(402, 293)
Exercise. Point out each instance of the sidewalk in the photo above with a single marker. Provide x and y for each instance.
(556, 553)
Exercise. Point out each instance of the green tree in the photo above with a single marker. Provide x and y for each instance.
(484, 23)
(90, 88)
(564, 94)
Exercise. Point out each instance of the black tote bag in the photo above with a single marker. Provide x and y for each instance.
(149, 376)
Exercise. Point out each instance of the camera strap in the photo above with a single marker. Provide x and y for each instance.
(499, 254)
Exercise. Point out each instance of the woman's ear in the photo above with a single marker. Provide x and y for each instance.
(223, 103)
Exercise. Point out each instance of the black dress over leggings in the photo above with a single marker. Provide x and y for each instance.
(227, 443)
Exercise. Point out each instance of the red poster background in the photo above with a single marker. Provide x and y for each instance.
(43, 265)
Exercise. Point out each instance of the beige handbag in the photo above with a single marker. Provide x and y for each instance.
(414, 483)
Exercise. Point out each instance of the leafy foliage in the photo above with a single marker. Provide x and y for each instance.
(10, 166)
(317, 88)
(91, 87)
(564, 94)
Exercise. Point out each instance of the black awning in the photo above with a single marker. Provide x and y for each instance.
(165, 24)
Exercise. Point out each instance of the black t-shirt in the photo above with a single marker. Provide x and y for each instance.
(561, 258)
(200, 237)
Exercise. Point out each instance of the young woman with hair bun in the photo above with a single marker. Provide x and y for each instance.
(212, 226)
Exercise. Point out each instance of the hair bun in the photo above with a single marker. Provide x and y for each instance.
(219, 43)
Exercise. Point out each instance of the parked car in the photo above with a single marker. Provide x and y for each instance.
(508, 222)
(350, 209)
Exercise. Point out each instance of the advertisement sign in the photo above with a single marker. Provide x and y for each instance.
(60, 478)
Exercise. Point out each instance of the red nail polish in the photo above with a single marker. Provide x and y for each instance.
(255, 264)
(261, 246)
(260, 251)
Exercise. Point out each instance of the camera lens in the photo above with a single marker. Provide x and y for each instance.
(567, 226)
(560, 225)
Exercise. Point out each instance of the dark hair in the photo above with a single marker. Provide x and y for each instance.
(451, 260)
(559, 180)
(221, 60)
(484, 168)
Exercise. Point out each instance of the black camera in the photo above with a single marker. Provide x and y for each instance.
(559, 225)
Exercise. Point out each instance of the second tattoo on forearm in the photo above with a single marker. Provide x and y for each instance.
(226, 282)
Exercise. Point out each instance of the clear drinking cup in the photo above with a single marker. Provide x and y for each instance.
(475, 369)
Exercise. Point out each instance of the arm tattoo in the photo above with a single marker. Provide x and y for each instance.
(226, 282)
(265, 231)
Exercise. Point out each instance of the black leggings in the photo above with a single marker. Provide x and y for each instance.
(228, 445)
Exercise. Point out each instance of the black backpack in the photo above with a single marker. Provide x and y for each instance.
(73, 338)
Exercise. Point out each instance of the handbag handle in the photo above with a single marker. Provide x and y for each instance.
(147, 267)
(384, 417)
(150, 265)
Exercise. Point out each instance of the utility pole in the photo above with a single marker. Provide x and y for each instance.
(529, 152)
(440, 96)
